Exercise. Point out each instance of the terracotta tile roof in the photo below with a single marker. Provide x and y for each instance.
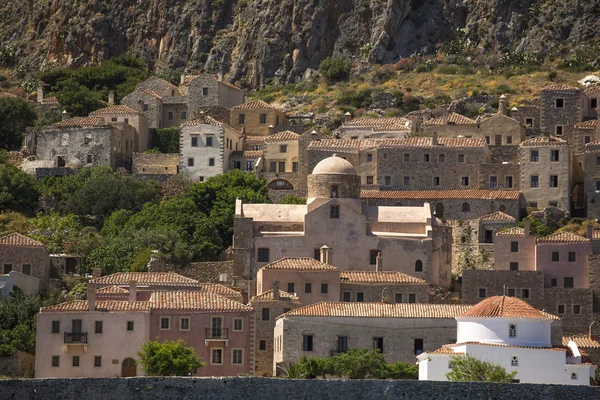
(82, 121)
(188, 79)
(498, 216)
(152, 93)
(593, 145)
(592, 89)
(120, 110)
(563, 237)
(441, 194)
(146, 278)
(299, 264)
(196, 301)
(453, 119)
(590, 124)
(379, 277)
(417, 142)
(254, 140)
(254, 105)
(18, 240)
(285, 136)
(513, 232)
(445, 350)
(540, 141)
(382, 124)
(283, 296)
(247, 153)
(49, 100)
(339, 145)
(505, 307)
(582, 341)
(596, 234)
(101, 305)
(559, 87)
(380, 310)
(112, 290)
(219, 289)
(207, 120)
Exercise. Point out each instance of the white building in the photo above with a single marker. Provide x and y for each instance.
(509, 332)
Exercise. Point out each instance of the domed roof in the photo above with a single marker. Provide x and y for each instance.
(334, 165)
(506, 307)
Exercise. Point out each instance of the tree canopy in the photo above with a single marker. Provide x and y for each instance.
(169, 358)
(17, 190)
(15, 116)
(470, 369)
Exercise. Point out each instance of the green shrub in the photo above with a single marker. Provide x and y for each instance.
(166, 140)
(359, 99)
(335, 68)
(447, 69)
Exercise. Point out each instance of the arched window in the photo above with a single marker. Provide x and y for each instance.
(419, 266)
(512, 330)
(466, 207)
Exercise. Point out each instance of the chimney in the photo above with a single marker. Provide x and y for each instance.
(378, 262)
(91, 296)
(271, 130)
(243, 131)
(590, 330)
(514, 113)
(415, 124)
(434, 139)
(276, 289)
(132, 291)
(40, 92)
(64, 115)
(220, 76)
(347, 116)
(445, 117)
(503, 105)
(590, 231)
(181, 79)
(111, 98)
(527, 226)
(96, 273)
(325, 254)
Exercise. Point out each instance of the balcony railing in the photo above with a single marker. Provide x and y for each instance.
(217, 333)
(76, 337)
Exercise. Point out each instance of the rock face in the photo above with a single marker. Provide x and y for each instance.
(255, 40)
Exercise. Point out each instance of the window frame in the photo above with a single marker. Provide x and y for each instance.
(265, 314)
(189, 324)
(97, 324)
(130, 326)
(241, 356)
(212, 354)
(308, 342)
(334, 211)
(57, 363)
(209, 141)
(262, 254)
(97, 361)
(482, 291)
(55, 323)
(233, 324)
(512, 330)
(160, 323)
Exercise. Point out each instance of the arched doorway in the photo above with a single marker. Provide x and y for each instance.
(128, 368)
(577, 201)
(439, 210)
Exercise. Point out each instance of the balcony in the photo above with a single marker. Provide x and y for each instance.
(217, 334)
(76, 338)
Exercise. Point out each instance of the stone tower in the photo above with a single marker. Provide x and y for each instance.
(503, 105)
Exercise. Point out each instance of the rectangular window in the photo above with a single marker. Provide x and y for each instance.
(283, 148)
(249, 165)
(576, 309)
(55, 326)
(514, 247)
(553, 282)
(282, 166)
(263, 118)
(295, 166)
(487, 139)
(27, 269)
(242, 119)
(216, 356)
(237, 356)
(98, 327)
(586, 139)
(553, 181)
(184, 115)
(369, 157)
(509, 182)
(442, 158)
(204, 91)
(406, 180)
(263, 255)
(529, 122)
(559, 130)
(190, 162)
(209, 141)
(418, 346)
(406, 157)
(533, 204)
(436, 181)
(572, 256)
(237, 165)
(324, 288)
(97, 361)
(346, 297)
(164, 323)
(598, 185)
(425, 157)
(373, 256)
(535, 181)
(512, 330)
(560, 103)
(509, 140)
(498, 140)
(493, 182)
(378, 343)
(560, 309)
(464, 181)
(290, 288)
(211, 162)
(334, 211)
(568, 282)
(388, 180)
(55, 361)
(184, 324)
(412, 298)
(525, 293)
(307, 342)
(145, 107)
(593, 103)
(170, 116)
(514, 266)
(553, 203)
(554, 155)
(317, 254)
(555, 256)
(265, 314)
(342, 344)
(88, 139)
(461, 158)
(534, 156)
(262, 345)
(360, 297)
(76, 361)
(369, 180)
(482, 293)
(398, 298)
(511, 293)
(194, 141)
(7, 268)
(130, 325)
(273, 166)
(308, 287)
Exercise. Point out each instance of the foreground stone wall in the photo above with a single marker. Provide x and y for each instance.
(272, 389)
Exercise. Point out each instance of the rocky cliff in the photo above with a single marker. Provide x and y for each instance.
(254, 40)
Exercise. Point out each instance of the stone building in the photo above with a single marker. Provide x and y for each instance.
(29, 285)
(155, 164)
(400, 331)
(127, 115)
(84, 142)
(591, 103)
(529, 116)
(256, 118)
(546, 172)
(448, 125)
(147, 281)
(382, 286)
(387, 127)
(205, 146)
(560, 109)
(25, 255)
(267, 307)
(591, 181)
(418, 244)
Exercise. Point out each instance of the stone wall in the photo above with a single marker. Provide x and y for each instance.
(373, 293)
(19, 365)
(155, 164)
(494, 283)
(41, 173)
(568, 298)
(275, 389)
(567, 116)
(507, 176)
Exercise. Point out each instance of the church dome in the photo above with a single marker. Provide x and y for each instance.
(334, 165)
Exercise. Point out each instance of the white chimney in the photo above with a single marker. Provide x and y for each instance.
(325, 254)
(378, 262)
(181, 79)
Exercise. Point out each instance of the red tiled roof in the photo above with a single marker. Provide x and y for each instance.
(255, 140)
(18, 240)
(380, 310)
(559, 87)
(219, 289)
(441, 194)
(207, 120)
(540, 141)
(590, 124)
(582, 341)
(498, 216)
(81, 121)
(453, 119)
(49, 100)
(247, 153)
(563, 237)
(513, 232)
(120, 110)
(112, 290)
(146, 278)
(445, 350)
(101, 305)
(505, 307)
(353, 145)
(283, 296)
(254, 105)
(379, 277)
(592, 89)
(300, 264)
(195, 300)
(339, 145)
(285, 136)
(382, 124)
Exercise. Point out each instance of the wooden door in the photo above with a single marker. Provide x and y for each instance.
(128, 368)
(76, 326)
(217, 325)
